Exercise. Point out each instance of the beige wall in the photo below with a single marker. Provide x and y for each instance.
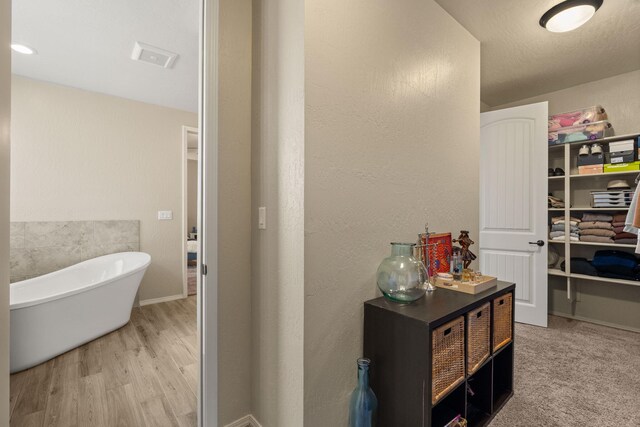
(192, 194)
(277, 182)
(619, 95)
(391, 141)
(80, 155)
(5, 97)
(234, 211)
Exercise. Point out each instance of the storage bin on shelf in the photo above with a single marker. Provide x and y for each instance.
(447, 366)
(582, 132)
(590, 170)
(622, 167)
(478, 337)
(572, 118)
(502, 320)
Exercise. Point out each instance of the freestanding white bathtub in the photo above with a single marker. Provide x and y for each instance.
(59, 311)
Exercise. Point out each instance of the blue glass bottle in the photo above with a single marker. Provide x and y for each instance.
(363, 405)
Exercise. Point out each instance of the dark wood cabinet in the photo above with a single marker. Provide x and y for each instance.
(399, 340)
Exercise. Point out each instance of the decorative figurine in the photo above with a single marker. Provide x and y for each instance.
(464, 241)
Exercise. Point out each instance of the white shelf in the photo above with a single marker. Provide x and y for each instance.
(608, 245)
(557, 272)
(604, 140)
(605, 174)
(599, 209)
(560, 273)
(575, 189)
(605, 279)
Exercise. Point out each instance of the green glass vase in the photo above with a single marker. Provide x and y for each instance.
(401, 277)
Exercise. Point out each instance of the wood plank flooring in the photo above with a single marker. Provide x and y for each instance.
(143, 374)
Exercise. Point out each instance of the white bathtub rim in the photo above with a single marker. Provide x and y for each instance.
(85, 288)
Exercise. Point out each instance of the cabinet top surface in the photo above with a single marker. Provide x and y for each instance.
(441, 303)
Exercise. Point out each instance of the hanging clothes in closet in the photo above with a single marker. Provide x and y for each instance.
(632, 223)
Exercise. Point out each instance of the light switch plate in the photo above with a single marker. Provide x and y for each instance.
(165, 215)
(262, 218)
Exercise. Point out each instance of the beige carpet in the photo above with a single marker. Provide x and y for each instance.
(574, 374)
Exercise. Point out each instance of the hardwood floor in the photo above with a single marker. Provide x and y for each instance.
(143, 374)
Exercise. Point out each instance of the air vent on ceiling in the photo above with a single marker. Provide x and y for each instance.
(153, 55)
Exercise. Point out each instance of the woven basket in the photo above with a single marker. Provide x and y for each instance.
(502, 315)
(447, 366)
(478, 337)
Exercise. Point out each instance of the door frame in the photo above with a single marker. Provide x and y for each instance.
(186, 131)
(207, 298)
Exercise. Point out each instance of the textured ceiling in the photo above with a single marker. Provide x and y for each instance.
(88, 44)
(521, 59)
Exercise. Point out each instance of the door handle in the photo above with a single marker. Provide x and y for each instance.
(539, 243)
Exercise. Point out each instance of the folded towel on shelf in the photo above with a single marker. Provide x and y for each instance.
(624, 235)
(560, 219)
(597, 232)
(618, 229)
(573, 223)
(581, 266)
(560, 227)
(555, 202)
(619, 218)
(589, 216)
(596, 239)
(616, 262)
(627, 241)
(555, 234)
(618, 224)
(595, 224)
(572, 237)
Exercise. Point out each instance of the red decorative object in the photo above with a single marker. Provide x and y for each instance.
(440, 249)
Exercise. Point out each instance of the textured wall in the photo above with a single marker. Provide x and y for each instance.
(619, 95)
(39, 248)
(5, 116)
(234, 211)
(277, 182)
(81, 155)
(392, 91)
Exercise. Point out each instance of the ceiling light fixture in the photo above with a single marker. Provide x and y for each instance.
(569, 15)
(20, 48)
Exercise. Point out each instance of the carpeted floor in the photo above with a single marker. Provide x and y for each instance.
(574, 374)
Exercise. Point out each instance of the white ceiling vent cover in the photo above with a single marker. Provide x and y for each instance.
(153, 55)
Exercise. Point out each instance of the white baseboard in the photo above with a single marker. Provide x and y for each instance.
(162, 299)
(246, 421)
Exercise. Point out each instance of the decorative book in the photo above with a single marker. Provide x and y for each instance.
(440, 249)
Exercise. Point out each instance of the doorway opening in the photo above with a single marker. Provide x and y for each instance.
(190, 194)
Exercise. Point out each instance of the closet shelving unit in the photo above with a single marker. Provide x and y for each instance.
(576, 190)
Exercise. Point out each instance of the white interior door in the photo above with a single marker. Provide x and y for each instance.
(208, 215)
(513, 204)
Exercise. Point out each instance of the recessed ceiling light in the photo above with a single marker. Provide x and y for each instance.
(20, 48)
(569, 15)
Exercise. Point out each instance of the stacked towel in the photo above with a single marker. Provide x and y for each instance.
(555, 202)
(621, 236)
(558, 225)
(596, 228)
